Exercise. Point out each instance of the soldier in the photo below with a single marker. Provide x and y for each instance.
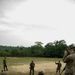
(70, 61)
(5, 64)
(2, 73)
(32, 65)
(58, 67)
(66, 53)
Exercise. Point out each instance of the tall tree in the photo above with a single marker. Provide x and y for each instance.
(38, 43)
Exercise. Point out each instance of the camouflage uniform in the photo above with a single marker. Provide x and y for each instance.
(70, 64)
(5, 64)
(32, 65)
(58, 67)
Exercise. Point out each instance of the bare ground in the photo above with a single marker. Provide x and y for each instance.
(45, 66)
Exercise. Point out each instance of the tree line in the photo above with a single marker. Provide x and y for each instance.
(52, 49)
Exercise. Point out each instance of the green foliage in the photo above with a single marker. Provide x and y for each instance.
(51, 49)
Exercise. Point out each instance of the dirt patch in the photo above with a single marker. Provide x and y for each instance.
(41, 66)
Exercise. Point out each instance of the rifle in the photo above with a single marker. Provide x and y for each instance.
(62, 70)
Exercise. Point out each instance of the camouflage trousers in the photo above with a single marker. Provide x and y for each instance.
(74, 73)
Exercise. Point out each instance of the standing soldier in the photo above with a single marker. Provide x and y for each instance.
(32, 65)
(70, 61)
(5, 64)
(58, 67)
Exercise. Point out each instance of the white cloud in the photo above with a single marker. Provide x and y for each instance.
(38, 20)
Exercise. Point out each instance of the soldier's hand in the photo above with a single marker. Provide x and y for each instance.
(65, 53)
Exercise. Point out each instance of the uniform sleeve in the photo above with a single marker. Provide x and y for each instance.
(56, 63)
(67, 59)
(34, 65)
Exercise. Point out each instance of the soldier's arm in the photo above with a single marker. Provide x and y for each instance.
(56, 63)
(65, 53)
(67, 59)
(65, 56)
(61, 65)
(30, 64)
(34, 65)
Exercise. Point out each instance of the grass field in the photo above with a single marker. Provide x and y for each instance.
(20, 66)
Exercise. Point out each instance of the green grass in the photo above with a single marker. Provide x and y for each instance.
(11, 61)
(26, 60)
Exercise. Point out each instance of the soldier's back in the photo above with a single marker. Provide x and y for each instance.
(70, 66)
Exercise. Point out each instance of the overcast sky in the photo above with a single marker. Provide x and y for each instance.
(23, 22)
